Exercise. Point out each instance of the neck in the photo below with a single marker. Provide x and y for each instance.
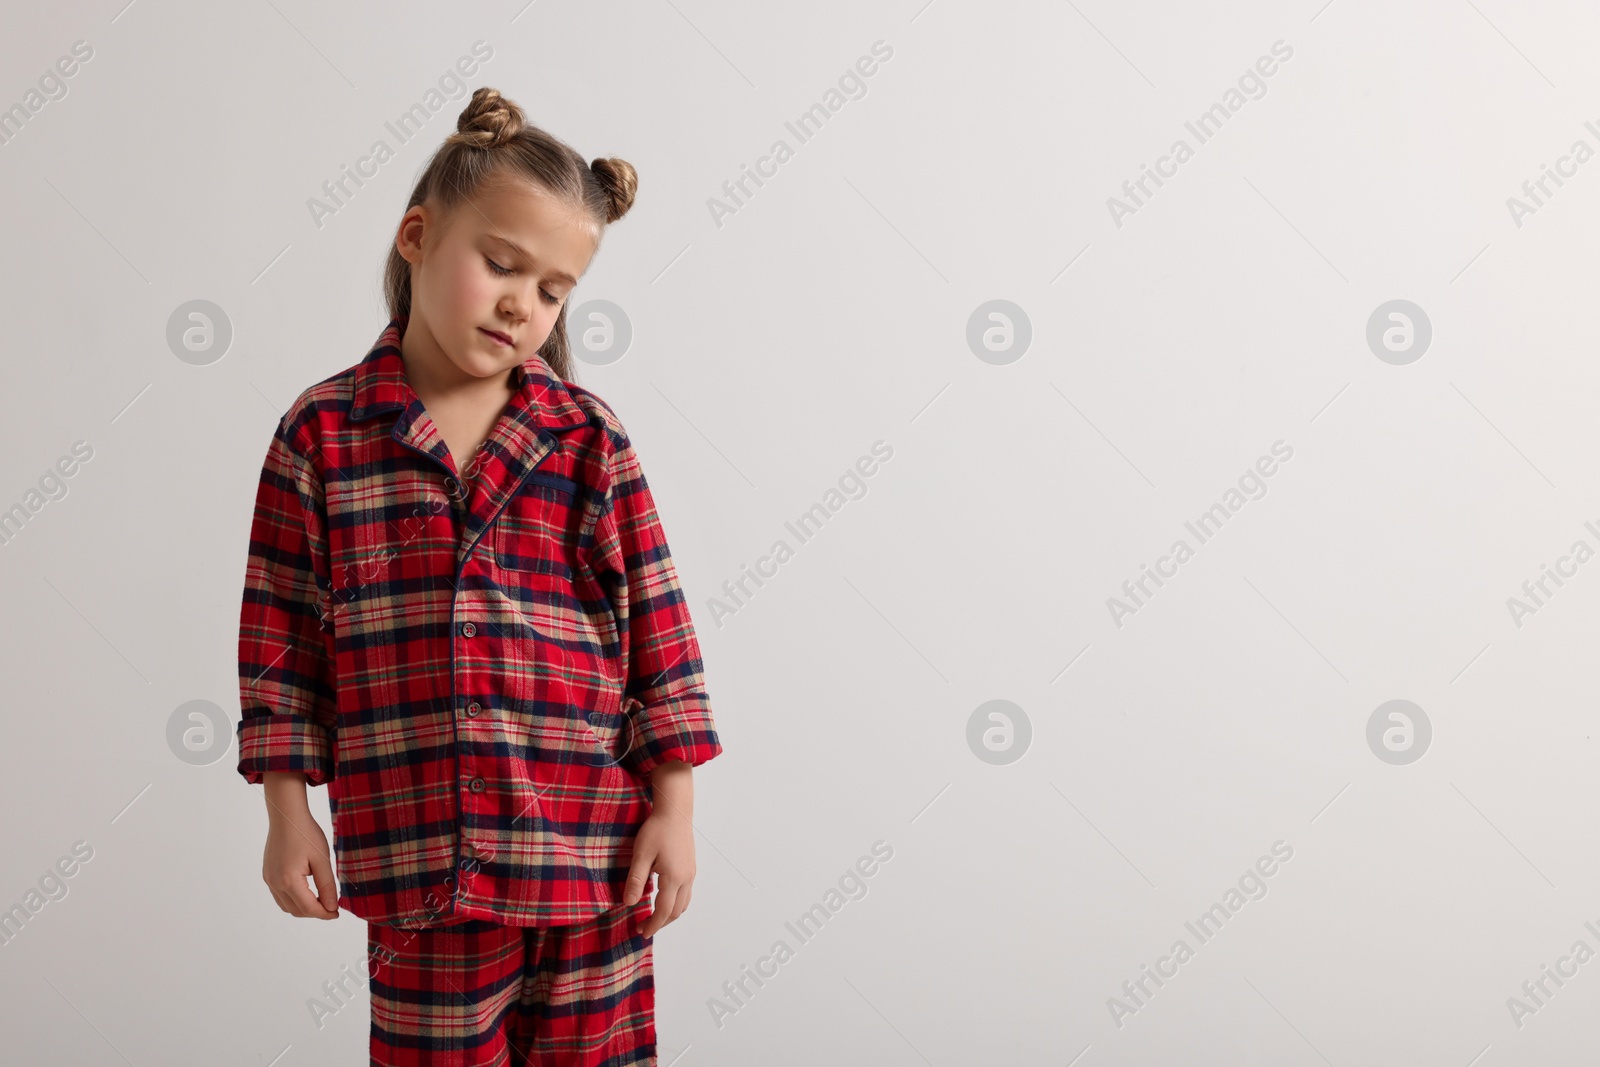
(433, 375)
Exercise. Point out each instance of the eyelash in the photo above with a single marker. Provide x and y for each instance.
(503, 271)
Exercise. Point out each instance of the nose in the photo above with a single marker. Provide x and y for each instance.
(516, 304)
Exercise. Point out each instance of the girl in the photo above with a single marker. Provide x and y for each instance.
(461, 615)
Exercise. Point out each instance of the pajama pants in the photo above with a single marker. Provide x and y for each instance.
(478, 993)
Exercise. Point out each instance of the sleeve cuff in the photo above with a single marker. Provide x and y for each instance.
(674, 730)
(284, 742)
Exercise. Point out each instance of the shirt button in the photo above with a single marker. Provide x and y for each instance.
(476, 785)
(473, 708)
(467, 629)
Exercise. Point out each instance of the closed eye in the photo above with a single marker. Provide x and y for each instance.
(503, 271)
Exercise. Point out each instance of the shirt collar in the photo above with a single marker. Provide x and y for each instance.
(380, 384)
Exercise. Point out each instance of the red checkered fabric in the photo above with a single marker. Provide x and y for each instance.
(481, 995)
(484, 669)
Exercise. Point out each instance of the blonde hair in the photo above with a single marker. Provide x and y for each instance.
(494, 140)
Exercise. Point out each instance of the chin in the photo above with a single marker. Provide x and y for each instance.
(479, 364)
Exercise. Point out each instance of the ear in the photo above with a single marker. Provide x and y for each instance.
(414, 226)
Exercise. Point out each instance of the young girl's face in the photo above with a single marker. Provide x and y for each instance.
(502, 263)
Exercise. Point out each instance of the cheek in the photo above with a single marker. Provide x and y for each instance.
(463, 287)
(546, 319)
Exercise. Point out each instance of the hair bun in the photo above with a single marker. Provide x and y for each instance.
(488, 121)
(620, 181)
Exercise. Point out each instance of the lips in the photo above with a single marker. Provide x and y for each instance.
(497, 335)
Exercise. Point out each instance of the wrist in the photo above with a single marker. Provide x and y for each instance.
(286, 794)
(672, 785)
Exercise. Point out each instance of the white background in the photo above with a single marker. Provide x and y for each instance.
(769, 353)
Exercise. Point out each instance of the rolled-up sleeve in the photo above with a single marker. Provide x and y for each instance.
(286, 673)
(664, 700)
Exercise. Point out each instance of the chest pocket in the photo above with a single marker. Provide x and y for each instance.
(536, 565)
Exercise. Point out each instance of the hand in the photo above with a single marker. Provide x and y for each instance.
(665, 844)
(296, 847)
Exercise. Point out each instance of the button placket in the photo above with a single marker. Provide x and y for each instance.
(470, 854)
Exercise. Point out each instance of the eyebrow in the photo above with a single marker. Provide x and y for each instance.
(559, 275)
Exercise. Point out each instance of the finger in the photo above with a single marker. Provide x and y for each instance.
(283, 905)
(327, 888)
(281, 894)
(303, 898)
(312, 903)
(638, 877)
(646, 921)
(287, 902)
(680, 900)
(666, 893)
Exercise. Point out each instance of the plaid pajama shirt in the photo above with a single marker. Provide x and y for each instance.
(483, 666)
